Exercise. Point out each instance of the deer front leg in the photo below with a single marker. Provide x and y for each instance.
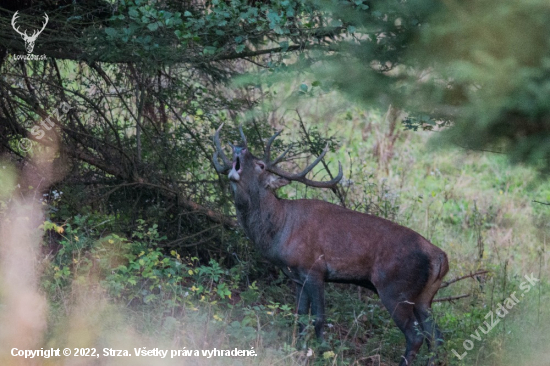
(303, 302)
(315, 289)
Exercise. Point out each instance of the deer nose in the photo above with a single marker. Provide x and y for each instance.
(234, 175)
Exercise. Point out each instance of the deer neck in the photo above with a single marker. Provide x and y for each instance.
(261, 214)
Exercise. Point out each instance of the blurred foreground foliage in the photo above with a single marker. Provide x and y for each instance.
(476, 69)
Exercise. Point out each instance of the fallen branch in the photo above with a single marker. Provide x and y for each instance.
(450, 298)
(445, 284)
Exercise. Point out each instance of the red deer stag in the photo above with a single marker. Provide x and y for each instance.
(314, 242)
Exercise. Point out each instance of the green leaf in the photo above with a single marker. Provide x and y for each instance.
(209, 50)
(153, 26)
(133, 12)
(112, 32)
(303, 88)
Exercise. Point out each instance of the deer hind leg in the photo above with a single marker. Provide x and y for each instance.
(403, 315)
(422, 311)
(429, 330)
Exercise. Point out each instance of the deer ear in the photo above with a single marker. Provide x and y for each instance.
(274, 182)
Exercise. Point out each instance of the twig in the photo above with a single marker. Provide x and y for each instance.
(445, 284)
(542, 203)
(450, 298)
(191, 236)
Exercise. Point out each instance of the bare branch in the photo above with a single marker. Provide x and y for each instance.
(451, 298)
(447, 283)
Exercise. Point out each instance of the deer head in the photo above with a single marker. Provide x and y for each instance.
(29, 40)
(246, 169)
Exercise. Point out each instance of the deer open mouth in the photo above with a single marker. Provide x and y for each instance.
(237, 165)
(236, 170)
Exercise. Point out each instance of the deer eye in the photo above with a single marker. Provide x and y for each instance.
(261, 165)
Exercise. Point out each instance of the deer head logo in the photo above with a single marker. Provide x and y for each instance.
(29, 40)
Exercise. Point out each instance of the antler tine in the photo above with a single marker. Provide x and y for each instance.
(301, 177)
(304, 172)
(37, 32)
(242, 135)
(281, 157)
(308, 182)
(13, 19)
(267, 155)
(220, 169)
(328, 184)
(44, 26)
(219, 152)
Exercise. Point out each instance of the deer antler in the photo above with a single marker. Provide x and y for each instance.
(243, 135)
(219, 152)
(13, 19)
(25, 36)
(299, 177)
(36, 33)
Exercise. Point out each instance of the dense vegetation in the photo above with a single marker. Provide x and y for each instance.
(116, 231)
